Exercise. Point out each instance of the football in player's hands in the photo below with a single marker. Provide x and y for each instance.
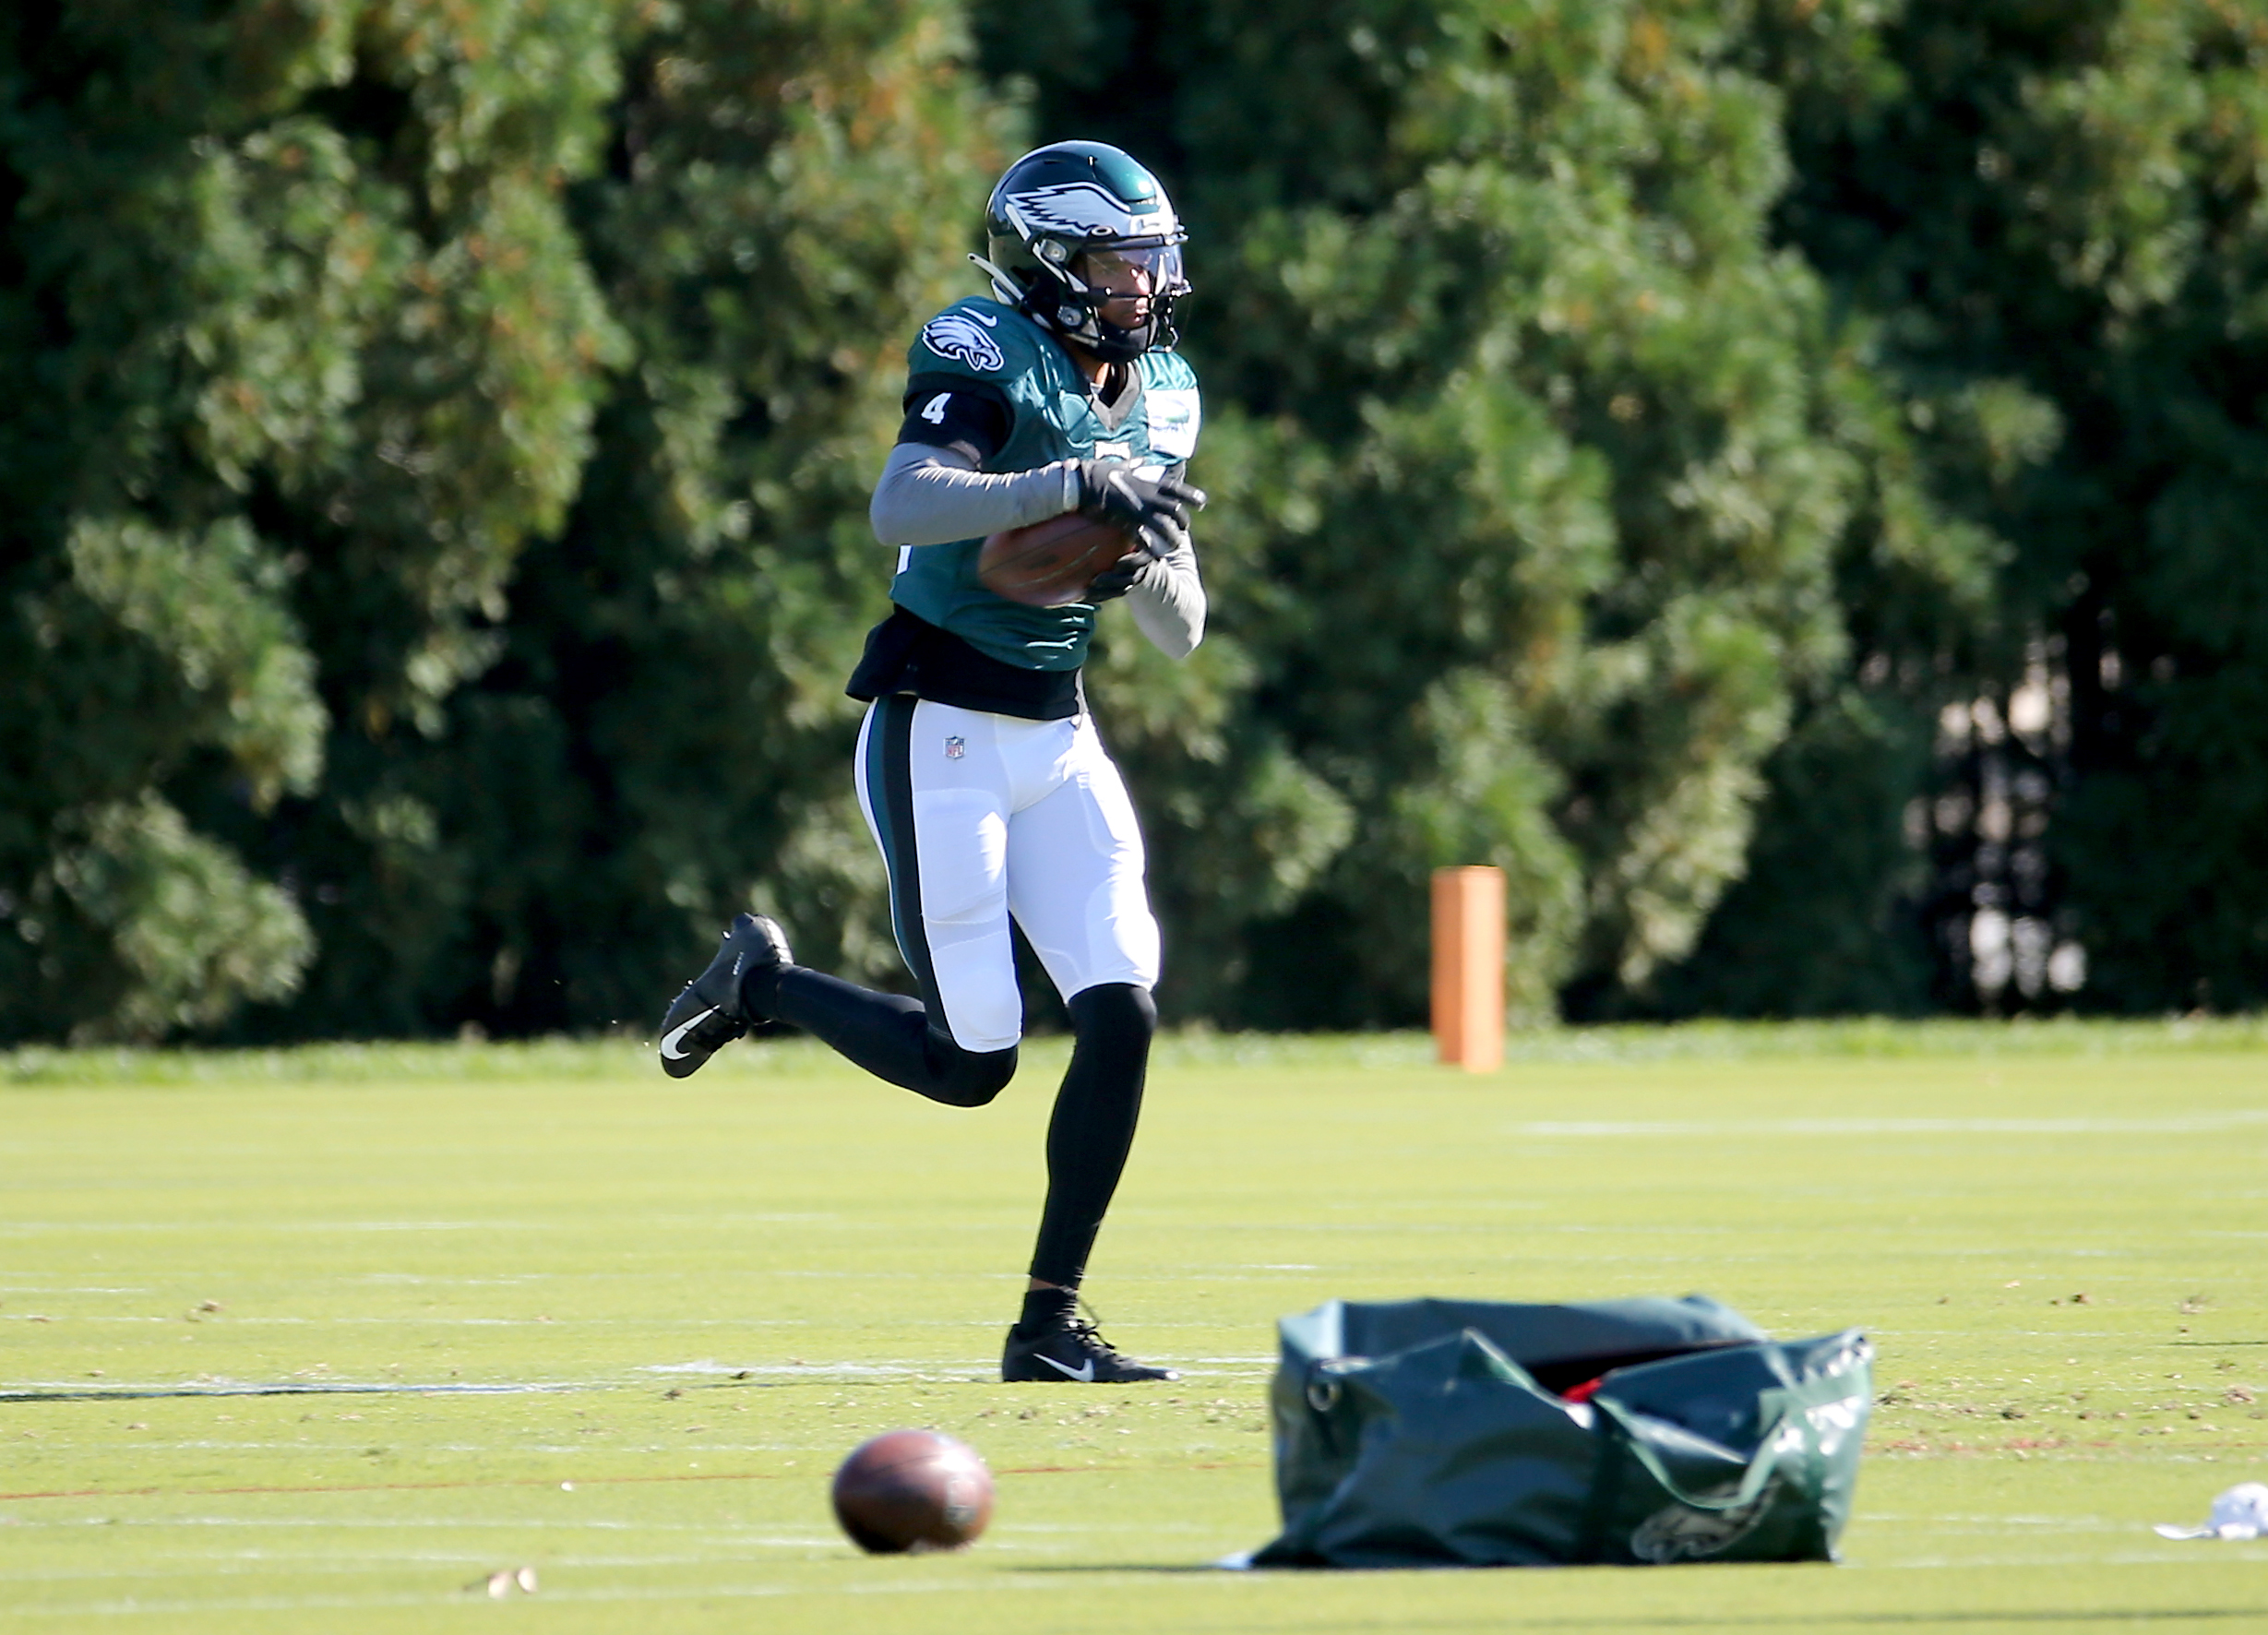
(1112, 490)
(1051, 564)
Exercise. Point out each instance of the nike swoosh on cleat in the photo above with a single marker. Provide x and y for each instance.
(1084, 1373)
(669, 1043)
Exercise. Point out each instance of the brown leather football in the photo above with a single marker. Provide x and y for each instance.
(912, 1491)
(1052, 563)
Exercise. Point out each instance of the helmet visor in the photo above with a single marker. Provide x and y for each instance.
(1151, 269)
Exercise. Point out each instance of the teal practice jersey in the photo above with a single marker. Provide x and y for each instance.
(1054, 417)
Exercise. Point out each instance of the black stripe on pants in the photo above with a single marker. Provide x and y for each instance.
(889, 1035)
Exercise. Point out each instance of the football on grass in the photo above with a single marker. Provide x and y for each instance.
(912, 1491)
(1051, 563)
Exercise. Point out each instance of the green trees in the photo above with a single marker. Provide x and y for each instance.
(313, 358)
(462, 436)
(664, 736)
(1537, 459)
(180, 264)
(2052, 219)
(1775, 475)
(323, 303)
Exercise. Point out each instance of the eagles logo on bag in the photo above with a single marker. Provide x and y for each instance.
(1680, 1533)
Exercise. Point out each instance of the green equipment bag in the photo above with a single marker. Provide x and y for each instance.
(1434, 1433)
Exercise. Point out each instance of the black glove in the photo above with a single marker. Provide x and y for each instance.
(1114, 582)
(1155, 510)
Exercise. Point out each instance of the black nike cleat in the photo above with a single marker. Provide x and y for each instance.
(1072, 1350)
(709, 1014)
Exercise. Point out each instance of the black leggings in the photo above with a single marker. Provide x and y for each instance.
(1092, 1126)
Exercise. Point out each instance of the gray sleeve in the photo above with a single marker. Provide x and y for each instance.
(1168, 600)
(932, 496)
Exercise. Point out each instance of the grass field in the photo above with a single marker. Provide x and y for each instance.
(543, 1306)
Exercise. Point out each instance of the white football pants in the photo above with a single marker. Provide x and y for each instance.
(982, 818)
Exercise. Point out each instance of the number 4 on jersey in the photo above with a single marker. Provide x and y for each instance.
(934, 414)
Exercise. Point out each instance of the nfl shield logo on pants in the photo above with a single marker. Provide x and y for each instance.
(955, 746)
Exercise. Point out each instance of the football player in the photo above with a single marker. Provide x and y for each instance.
(978, 766)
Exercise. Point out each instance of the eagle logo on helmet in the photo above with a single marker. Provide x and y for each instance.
(959, 336)
(1081, 208)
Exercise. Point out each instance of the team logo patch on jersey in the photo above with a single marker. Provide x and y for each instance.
(955, 746)
(960, 336)
(1173, 420)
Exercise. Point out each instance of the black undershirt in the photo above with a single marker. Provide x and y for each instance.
(906, 654)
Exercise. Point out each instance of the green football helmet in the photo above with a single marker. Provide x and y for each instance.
(1071, 200)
